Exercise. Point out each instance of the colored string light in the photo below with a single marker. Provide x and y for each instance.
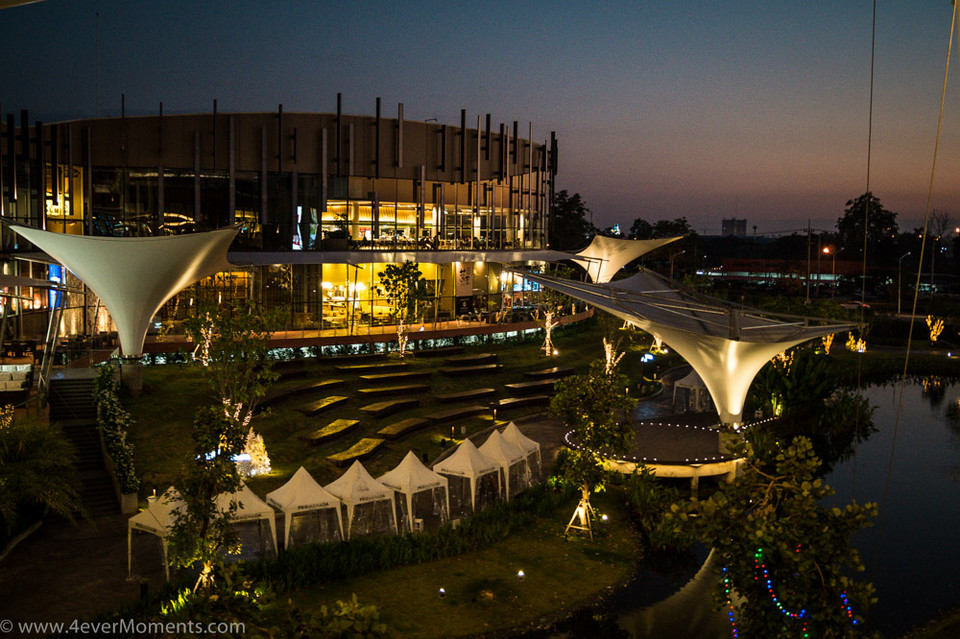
(764, 575)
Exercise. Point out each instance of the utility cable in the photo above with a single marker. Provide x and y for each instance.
(916, 289)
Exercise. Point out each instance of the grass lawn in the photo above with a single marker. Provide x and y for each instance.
(164, 411)
(483, 592)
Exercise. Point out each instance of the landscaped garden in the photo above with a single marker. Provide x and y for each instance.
(476, 565)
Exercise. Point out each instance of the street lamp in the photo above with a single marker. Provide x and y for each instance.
(673, 255)
(833, 268)
(899, 271)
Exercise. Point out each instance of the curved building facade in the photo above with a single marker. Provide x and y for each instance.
(322, 201)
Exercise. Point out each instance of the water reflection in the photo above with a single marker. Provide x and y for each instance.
(910, 552)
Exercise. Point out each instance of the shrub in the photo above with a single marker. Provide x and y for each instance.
(114, 423)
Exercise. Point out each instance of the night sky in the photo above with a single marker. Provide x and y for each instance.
(706, 110)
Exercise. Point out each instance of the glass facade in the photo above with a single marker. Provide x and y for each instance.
(325, 199)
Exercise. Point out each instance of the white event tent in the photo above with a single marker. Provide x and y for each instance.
(250, 509)
(419, 485)
(470, 471)
(303, 500)
(368, 502)
(529, 446)
(157, 519)
(512, 461)
(693, 394)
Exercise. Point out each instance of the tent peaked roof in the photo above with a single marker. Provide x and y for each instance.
(249, 506)
(160, 514)
(500, 450)
(690, 380)
(357, 486)
(301, 492)
(466, 461)
(513, 435)
(411, 475)
(605, 256)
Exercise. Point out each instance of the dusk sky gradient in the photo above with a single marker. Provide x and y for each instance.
(706, 110)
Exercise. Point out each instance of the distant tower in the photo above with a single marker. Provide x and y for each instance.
(734, 226)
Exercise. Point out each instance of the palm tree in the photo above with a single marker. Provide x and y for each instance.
(37, 474)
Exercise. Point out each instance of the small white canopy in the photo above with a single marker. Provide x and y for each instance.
(157, 519)
(356, 487)
(249, 508)
(470, 463)
(698, 398)
(529, 446)
(302, 494)
(411, 477)
(507, 457)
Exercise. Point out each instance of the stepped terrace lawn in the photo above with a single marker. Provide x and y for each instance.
(172, 393)
(483, 592)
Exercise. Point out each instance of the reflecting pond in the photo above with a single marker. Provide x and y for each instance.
(910, 552)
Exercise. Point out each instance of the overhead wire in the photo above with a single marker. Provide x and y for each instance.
(916, 288)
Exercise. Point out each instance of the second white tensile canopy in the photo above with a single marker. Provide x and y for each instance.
(605, 256)
(727, 345)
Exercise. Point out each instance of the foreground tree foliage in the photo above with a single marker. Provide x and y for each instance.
(37, 472)
(786, 561)
(202, 534)
(597, 408)
(232, 345)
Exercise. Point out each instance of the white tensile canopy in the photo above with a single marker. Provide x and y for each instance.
(250, 509)
(300, 496)
(529, 446)
(412, 478)
(470, 465)
(693, 393)
(134, 276)
(607, 255)
(157, 519)
(512, 461)
(369, 503)
(726, 344)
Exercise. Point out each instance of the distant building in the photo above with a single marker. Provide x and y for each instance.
(323, 203)
(734, 226)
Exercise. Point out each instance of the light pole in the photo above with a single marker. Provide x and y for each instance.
(833, 269)
(673, 255)
(899, 271)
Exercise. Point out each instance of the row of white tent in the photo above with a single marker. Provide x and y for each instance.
(503, 466)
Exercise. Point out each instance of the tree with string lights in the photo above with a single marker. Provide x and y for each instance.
(785, 561)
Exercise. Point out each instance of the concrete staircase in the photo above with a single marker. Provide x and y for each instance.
(96, 489)
(71, 397)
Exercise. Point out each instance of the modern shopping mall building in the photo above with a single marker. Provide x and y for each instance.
(323, 202)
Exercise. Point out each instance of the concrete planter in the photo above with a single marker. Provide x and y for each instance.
(129, 502)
